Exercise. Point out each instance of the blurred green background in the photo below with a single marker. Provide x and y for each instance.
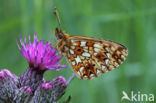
(129, 22)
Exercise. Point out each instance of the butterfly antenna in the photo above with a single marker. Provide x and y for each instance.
(57, 17)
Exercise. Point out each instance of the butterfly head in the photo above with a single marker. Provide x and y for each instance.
(59, 34)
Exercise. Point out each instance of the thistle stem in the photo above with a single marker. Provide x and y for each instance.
(71, 78)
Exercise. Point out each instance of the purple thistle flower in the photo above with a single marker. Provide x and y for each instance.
(50, 91)
(8, 85)
(39, 55)
(31, 86)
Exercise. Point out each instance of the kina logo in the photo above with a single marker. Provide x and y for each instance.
(137, 96)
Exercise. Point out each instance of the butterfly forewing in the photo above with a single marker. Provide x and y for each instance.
(91, 57)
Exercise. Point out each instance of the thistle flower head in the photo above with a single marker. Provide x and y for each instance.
(39, 54)
(8, 83)
(54, 89)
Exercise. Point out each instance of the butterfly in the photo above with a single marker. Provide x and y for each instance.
(89, 57)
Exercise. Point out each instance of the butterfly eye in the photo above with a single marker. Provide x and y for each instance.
(60, 36)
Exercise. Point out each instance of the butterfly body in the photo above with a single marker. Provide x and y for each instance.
(90, 57)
